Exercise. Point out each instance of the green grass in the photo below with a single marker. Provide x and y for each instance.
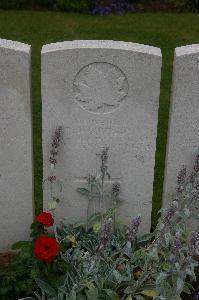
(166, 31)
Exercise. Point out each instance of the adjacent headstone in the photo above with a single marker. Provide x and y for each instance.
(16, 187)
(183, 141)
(103, 93)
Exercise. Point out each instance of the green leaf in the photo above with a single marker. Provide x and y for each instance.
(113, 295)
(128, 290)
(188, 288)
(95, 217)
(148, 286)
(83, 191)
(153, 254)
(73, 295)
(146, 237)
(79, 224)
(117, 276)
(20, 244)
(35, 225)
(161, 277)
(96, 227)
(143, 278)
(52, 205)
(167, 237)
(180, 285)
(92, 292)
(63, 289)
(108, 175)
(38, 296)
(45, 287)
(149, 293)
(34, 272)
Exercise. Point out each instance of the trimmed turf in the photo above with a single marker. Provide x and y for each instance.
(166, 31)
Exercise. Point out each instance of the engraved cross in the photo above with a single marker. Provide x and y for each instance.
(107, 181)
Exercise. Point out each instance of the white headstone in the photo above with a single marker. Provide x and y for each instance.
(103, 93)
(183, 134)
(16, 188)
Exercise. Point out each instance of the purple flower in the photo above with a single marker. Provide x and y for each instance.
(176, 249)
(196, 295)
(52, 178)
(106, 233)
(104, 155)
(104, 158)
(169, 213)
(194, 243)
(182, 175)
(196, 166)
(178, 244)
(52, 160)
(133, 229)
(56, 138)
(116, 188)
(115, 6)
(181, 178)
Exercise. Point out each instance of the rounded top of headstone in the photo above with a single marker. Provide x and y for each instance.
(106, 44)
(17, 46)
(186, 50)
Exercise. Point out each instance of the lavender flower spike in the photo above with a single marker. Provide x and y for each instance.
(56, 140)
(170, 212)
(194, 243)
(116, 188)
(182, 175)
(132, 231)
(106, 233)
(176, 248)
(196, 166)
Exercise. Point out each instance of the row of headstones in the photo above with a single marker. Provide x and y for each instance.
(102, 93)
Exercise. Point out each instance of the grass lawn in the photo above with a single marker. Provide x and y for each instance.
(166, 31)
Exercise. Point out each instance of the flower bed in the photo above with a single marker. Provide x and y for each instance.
(103, 259)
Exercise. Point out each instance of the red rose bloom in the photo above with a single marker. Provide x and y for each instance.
(46, 219)
(46, 248)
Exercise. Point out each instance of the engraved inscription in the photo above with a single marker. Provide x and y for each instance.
(100, 87)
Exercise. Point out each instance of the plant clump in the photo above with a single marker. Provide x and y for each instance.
(100, 258)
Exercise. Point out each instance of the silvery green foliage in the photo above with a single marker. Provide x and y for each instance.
(105, 261)
(100, 198)
(173, 247)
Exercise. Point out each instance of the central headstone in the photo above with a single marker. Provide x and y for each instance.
(103, 94)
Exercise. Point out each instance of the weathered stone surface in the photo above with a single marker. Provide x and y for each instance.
(16, 188)
(183, 142)
(103, 93)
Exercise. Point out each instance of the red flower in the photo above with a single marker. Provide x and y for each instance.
(46, 219)
(46, 248)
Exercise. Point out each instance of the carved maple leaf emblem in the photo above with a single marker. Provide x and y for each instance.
(100, 87)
